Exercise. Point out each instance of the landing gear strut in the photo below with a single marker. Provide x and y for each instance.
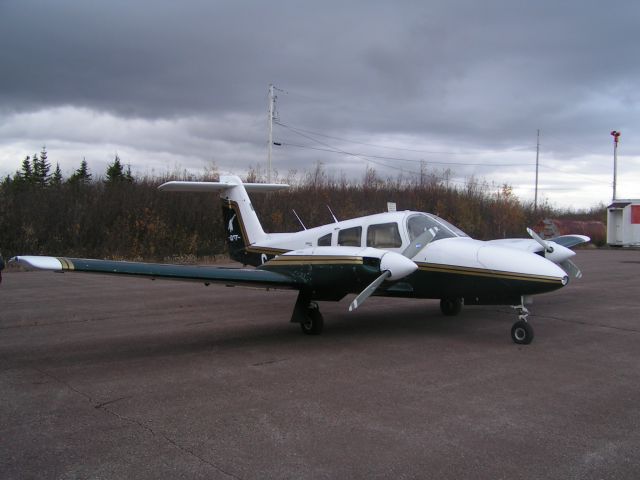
(313, 322)
(450, 306)
(307, 314)
(521, 331)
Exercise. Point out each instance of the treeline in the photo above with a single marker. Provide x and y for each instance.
(124, 217)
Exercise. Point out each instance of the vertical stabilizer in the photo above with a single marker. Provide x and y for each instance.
(236, 198)
(242, 226)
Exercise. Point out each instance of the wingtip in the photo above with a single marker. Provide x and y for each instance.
(39, 262)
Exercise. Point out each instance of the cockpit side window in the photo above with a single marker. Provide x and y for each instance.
(417, 224)
(384, 235)
(350, 237)
(325, 240)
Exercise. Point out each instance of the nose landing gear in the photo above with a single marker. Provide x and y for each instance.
(521, 331)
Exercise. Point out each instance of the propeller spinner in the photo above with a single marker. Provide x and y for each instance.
(394, 266)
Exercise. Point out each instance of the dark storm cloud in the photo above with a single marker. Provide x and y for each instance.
(458, 74)
(414, 61)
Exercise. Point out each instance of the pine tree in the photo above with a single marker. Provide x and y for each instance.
(127, 174)
(81, 175)
(56, 178)
(25, 174)
(115, 171)
(41, 167)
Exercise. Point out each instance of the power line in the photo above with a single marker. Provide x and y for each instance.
(400, 159)
(342, 139)
(573, 174)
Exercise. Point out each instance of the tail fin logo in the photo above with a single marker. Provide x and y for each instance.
(230, 227)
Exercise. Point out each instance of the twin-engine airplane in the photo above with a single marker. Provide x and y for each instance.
(394, 254)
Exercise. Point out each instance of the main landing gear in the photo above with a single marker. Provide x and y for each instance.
(450, 307)
(307, 314)
(521, 331)
(313, 322)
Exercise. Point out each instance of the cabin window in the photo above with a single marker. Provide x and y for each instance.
(325, 240)
(350, 237)
(384, 235)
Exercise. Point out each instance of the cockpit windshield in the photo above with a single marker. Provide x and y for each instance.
(421, 222)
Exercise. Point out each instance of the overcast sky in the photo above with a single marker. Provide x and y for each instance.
(462, 85)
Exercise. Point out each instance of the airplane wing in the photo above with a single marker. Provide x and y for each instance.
(532, 245)
(570, 240)
(204, 274)
(326, 272)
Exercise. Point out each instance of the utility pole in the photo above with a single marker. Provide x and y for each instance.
(272, 115)
(535, 198)
(616, 136)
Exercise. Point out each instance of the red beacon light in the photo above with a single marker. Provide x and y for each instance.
(615, 135)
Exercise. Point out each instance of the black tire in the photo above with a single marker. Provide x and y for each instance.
(313, 323)
(450, 306)
(522, 333)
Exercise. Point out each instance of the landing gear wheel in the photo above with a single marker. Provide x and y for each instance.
(522, 333)
(313, 323)
(450, 306)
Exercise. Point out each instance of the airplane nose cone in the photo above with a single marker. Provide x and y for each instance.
(398, 265)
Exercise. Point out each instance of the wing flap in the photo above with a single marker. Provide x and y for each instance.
(205, 274)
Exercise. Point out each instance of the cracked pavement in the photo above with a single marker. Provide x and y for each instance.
(107, 377)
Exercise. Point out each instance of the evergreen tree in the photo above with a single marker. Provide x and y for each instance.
(41, 168)
(56, 178)
(127, 175)
(115, 171)
(25, 174)
(81, 175)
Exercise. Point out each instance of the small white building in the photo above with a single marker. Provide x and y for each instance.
(623, 223)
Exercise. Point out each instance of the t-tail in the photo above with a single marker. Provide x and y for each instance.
(242, 226)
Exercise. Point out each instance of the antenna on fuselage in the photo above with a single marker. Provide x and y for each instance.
(334, 217)
(294, 212)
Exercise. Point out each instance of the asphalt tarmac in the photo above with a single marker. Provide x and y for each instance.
(112, 377)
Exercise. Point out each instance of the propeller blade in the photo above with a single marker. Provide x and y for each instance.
(547, 248)
(571, 269)
(420, 242)
(366, 293)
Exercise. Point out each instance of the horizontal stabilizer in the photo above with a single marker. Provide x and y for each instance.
(181, 186)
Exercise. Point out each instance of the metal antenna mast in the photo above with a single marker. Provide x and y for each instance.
(616, 136)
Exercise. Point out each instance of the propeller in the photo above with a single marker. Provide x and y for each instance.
(557, 254)
(393, 266)
(366, 293)
(420, 242)
(571, 268)
(548, 248)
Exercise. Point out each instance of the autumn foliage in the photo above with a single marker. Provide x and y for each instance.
(122, 217)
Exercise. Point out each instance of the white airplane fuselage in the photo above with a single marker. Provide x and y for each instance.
(452, 265)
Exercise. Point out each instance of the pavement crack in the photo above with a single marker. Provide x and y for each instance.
(109, 402)
(170, 441)
(269, 362)
(65, 383)
(103, 406)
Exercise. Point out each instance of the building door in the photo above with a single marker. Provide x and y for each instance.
(614, 227)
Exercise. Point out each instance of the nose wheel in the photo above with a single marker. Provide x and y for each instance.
(522, 331)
